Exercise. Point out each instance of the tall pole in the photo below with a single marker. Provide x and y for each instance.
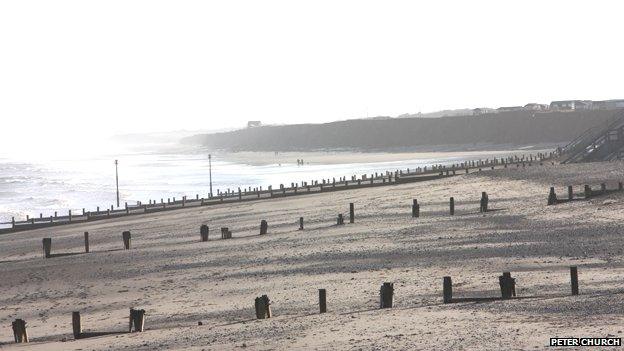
(117, 182)
(210, 172)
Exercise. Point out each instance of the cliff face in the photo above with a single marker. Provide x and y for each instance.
(518, 127)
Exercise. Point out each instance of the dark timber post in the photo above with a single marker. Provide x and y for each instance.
(386, 293)
(19, 331)
(507, 285)
(351, 213)
(263, 307)
(137, 318)
(587, 191)
(86, 240)
(47, 247)
(415, 209)
(570, 193)
(322, 300)
(552, 197)
(126, 239)
(263, 227)
(574, 280)
(452, 206)
(484, 202)
(203, 232)
(447, 289)
(300, 223)
(76, 325)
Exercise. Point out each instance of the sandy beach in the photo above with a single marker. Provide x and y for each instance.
(259, 158)
(181, 281)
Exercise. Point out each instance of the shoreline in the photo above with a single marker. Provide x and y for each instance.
(357, 181)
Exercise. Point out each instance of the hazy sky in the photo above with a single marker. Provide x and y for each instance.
(73, 67)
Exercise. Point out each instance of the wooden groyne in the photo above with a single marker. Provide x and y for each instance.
(387, 178)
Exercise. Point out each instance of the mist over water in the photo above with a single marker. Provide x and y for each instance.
(30, 186)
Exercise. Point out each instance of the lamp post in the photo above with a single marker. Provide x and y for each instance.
(117, 182)
(210, 172)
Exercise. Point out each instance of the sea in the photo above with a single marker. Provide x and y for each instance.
(34, 186)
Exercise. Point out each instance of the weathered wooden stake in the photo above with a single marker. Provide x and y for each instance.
(226, 233)
(574, 280)
(351, 213)
(203, 232)
(19, 331)
(386, 293)
(484, 202)
(263, 227)
(340, 220)
(137, 318)
(76, 325)
(552, 197)
(322, 300)
(126, 239)
(300, 223)
(47, 247)
(415, 209)
(263, 307)
(86, 241)
(570, 193)
(507, 285)
(588, 192)
(447, 288)
(452, 206)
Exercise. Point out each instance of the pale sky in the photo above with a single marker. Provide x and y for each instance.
(86, 68)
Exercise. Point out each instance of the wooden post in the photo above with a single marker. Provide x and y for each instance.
(76, 325)
(69, 215)
(587, 190)
(552, 197)
(570, 193)
(300, 223)
(620, 186)
(484, 202)
(47, 247)
(340, 220)
(263, 307)
(226, 233)
(263, 227)
(126, 239)
(19, 331)
(137, 318)
(452, 206)
(447, 289)
(386, 293)
(86, 241)
(603, 187)
(415, 209)
(507, 285)
(322, 300)
(574, 280)
(203, 232)
(351, 213)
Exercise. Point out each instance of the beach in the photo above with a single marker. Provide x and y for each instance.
(181, 281)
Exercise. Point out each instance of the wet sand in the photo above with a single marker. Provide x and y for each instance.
(181, 281)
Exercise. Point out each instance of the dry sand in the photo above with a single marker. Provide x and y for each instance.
(181, 281)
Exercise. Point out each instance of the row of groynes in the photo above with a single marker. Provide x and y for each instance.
(258, 193)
